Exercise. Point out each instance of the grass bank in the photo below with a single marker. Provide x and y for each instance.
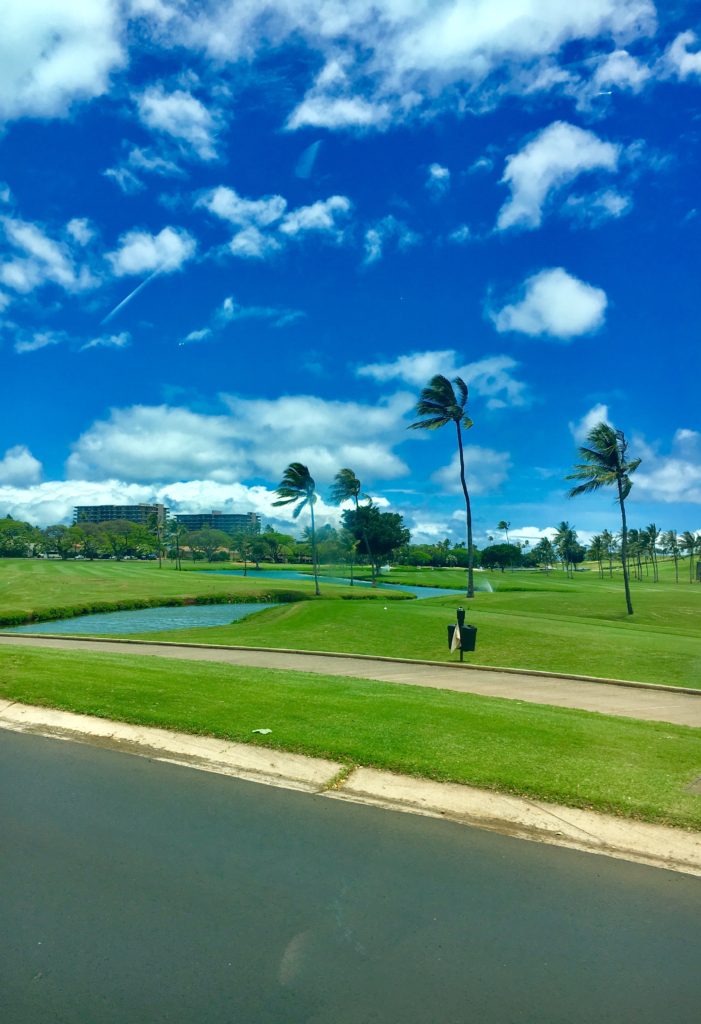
(621, 766)
(33, 590)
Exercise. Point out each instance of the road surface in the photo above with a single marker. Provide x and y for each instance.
(136, 892)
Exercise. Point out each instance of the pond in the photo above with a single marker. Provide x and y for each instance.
(145, 620)
(291, 574)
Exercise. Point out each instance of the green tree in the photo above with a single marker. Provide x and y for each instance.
(437, 406)
(543, 553)
(298, 488)
(207, 542)
(501, 556)
(605, 463)
(346, 487)
(385, 531)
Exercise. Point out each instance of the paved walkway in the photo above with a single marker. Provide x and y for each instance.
(608, 698)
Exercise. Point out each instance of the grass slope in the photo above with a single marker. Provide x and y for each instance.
(33, 589)
(634, 769)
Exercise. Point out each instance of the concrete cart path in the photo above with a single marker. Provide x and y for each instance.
(657, 705)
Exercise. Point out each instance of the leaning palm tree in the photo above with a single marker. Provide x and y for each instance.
(438, 406)
(297, 486)
(604, 463)
(346, 487)
(503, 525)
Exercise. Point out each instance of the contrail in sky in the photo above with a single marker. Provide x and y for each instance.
(129, 297)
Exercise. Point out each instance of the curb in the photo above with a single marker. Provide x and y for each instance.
(520, 818)
(458, 667)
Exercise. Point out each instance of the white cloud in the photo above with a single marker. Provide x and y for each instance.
(675, 477)
(461, 235)
(491, 378)
(438, 180)
(19, 468)
(255, 438)
(485, 471)
(228, 205)
(53, 501)
(39, 259)
(597, 207)
(319, 216)
(580, 429)
(321, 111)
(682, 61)
(125, 180)
(384, 59)
(386, 230)
(5, 301)
(38, 340)
(181, 116)
(552, 159)
(140, 252)
(230, 311)
(621, 70)
(81, 230)
(253, 244)
(556, 304)
(109, 341)
(53, 53)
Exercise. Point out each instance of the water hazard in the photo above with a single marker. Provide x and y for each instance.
(291, 574)
(145, 620)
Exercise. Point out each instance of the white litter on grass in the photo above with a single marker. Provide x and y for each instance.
(263, 732)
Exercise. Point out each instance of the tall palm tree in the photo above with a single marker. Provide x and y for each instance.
(563, 541)
(604, 463)
(689, 543)
(346, 487)
(439, 405)
(670, 542)
(503, 525)
(297, 487)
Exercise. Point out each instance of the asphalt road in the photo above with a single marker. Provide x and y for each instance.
(139, 892)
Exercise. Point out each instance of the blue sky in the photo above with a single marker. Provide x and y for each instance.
(237, 235)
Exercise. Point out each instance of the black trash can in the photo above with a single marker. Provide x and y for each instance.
(468, 637)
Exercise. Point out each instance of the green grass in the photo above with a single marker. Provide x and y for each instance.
(532, 620)
(558, 625)
(630, 768)
(34, 589)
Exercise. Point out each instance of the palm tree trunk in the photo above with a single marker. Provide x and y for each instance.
(468, 520)
(624, 547)
(316, 567)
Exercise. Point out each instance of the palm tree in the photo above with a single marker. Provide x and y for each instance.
(346, 487)
(297, 486)
(503, 525)
(439, 405)
(670, 543)
(564, 539)
(689, 542)
(604, 463)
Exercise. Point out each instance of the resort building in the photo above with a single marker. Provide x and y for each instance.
(133, 513)
(228, 522)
